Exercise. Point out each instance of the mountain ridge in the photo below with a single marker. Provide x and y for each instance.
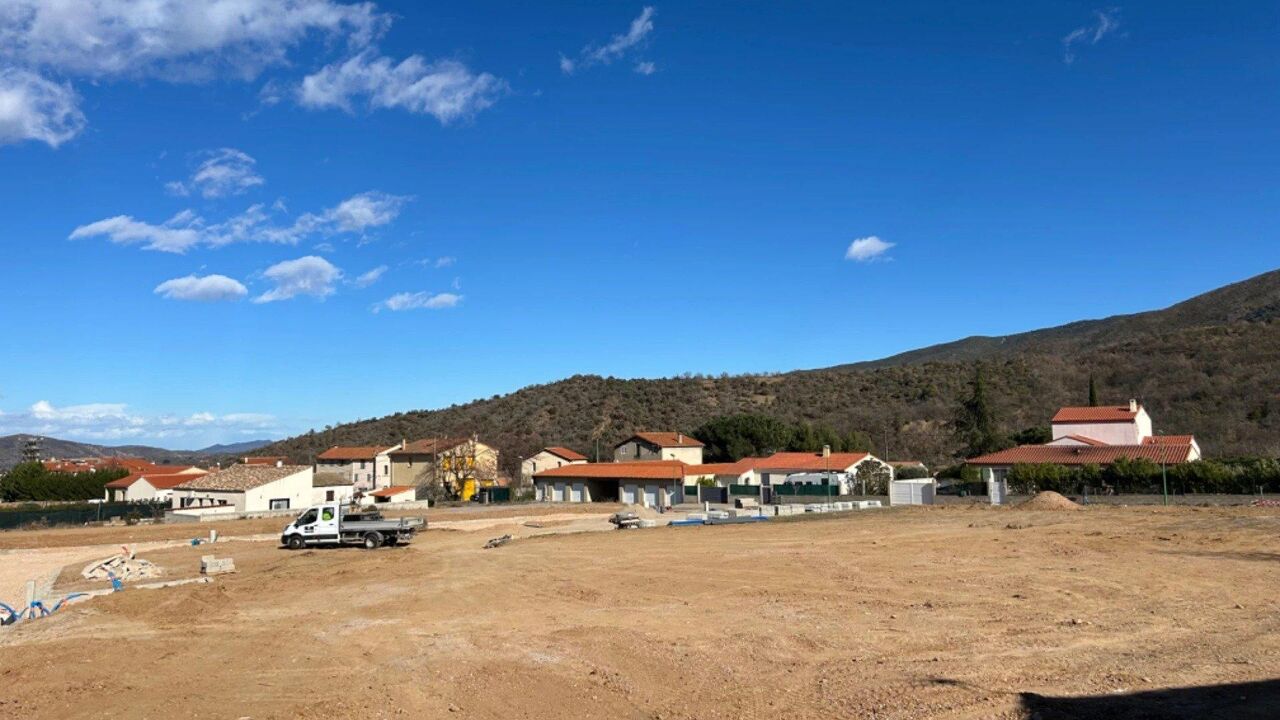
(1208, 365)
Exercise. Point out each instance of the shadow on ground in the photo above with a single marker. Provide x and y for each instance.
(1242, 701)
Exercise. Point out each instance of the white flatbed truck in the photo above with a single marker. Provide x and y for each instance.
(339, 524)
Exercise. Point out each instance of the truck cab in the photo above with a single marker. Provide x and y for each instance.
(317, 524)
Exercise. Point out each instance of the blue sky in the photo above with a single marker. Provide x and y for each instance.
(221, 227)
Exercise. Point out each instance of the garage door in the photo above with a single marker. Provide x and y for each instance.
(575, 492)
(651, 496)
(629, 494)
(557, 492)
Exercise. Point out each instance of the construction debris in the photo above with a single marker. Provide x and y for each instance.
(123, 567)
(210, 565)
(498, 542)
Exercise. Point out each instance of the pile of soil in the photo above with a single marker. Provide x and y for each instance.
(1049, 500)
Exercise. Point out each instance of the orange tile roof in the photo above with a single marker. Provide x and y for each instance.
(368, 452)
(387, 492)
(809, 462)
(161, 477)
(664, 439)
(648, 470)
(733, 468)
(1085, 455)
(566, 453)
(1106, 414)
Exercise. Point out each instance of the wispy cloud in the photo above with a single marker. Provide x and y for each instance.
(223, 172)
(210, 288)
(115, 421)
(619, 46)
(371, 277)
(445, 89)
(1106, 22)
(356, 215)
(646, 68)
(867, 249)
(419, 301)
(311, 275)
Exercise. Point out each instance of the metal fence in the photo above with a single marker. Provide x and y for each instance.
(78, 513)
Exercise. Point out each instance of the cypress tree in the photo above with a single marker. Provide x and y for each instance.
(1093, 392)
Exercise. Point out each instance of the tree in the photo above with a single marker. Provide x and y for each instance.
(975, 422)
(733, 437)
(446, 474)
(1093, 392)
(872, 477)
(1037, 435)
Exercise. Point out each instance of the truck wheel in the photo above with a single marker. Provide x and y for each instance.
(372, 540)
(296, 542)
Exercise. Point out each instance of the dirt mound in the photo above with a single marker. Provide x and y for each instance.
(1049, 500)
(641, 511)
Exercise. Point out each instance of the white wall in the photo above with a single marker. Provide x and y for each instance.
(296, 488)
(341, 494)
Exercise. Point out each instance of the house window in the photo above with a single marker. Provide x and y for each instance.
(280, 504)
(361, 464)
(328, 496)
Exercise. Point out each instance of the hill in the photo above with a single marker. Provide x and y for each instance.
(11, 451)
(234, 448)
(1209, 366)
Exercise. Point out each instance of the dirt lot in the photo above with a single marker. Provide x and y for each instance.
(927, 613)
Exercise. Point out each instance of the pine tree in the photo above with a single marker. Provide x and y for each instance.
(1093, 392)
(975, 422)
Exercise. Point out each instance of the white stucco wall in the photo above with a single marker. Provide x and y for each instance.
(296, 488)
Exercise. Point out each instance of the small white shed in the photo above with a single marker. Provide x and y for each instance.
(911, 492)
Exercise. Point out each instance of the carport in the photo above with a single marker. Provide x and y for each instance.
(656, 483)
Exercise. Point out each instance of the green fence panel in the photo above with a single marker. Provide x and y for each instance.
(752, 490)
(79, 514)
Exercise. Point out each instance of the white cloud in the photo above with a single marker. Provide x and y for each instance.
(371, 277)
(1106, 22)
(33, 108)
(418, 301)
(355, 215)
(178, 40)
(646, 68)
(210, 288)
(223, 172)
(617, 47)
(310, 275)
(445, 262)
(445, 89)
(114, 421)
(867, 249)
(175, 235)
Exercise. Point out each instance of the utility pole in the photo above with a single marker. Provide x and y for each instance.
(1164, 475)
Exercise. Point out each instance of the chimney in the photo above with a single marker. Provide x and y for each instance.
(679, 438)
(1133, 406)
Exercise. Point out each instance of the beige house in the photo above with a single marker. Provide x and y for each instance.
(331, 487)
(246, 488)
(463, 465)
(365, 467)
(547, 458)
(644, 446)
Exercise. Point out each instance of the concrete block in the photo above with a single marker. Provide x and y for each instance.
(210, 565)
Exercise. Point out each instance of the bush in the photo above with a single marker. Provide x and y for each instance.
(911, 472)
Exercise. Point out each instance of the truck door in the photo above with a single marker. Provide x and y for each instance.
(326, 526)
(306, 522)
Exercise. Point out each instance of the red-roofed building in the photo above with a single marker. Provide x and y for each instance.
(652, 483)
(547, 458)
(1094, 436)
(154, 483)
(645, 446)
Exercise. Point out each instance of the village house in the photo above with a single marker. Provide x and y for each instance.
(392, 494)
(152, 484)
(462, 465)
(552, 457)
(651, 483)
(246, 489)
(659, 446)
(365, 468)
(1094, 436)
(331, 487)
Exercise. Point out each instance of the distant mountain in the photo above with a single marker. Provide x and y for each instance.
(234, 448)
(1209, 366)
(11, 447)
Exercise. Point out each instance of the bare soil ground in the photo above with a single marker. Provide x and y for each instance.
(962, 612)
